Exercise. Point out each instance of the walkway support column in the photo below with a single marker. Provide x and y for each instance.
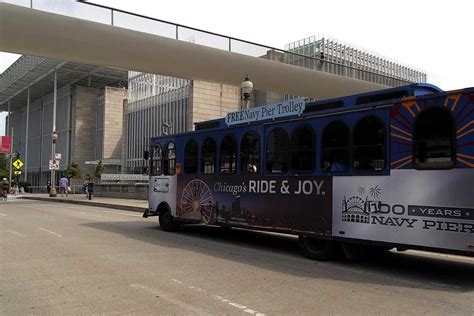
(7, 128)
(27, 128)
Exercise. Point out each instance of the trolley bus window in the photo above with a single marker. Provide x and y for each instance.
(335, 147)
(277, 151)
(228, 155)
(208, 156)
(250, 153)
(302, 149)
(156, 161)
(191, 156)
(434, 145)
(369, 144)
(169, 159)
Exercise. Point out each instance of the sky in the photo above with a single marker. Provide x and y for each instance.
(432, 36)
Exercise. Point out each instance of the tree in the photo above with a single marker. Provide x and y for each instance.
(73, 171)
(99, 169)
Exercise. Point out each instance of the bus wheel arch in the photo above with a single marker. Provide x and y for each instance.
(167, 221)
(318, 248)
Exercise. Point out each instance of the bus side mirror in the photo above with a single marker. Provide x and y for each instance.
(146, 154)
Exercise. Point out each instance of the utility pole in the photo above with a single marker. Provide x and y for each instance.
(11, 159)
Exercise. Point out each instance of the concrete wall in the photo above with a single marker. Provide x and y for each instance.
(84, 101)
(137, 191)
(113, 122)
(213, 100)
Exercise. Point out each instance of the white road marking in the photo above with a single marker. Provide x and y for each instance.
(11, 231)
(50, 232)
(222, 299)
(238, 305)
(168, 298)
(3, 214)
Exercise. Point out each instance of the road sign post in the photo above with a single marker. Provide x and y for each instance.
(11, 156)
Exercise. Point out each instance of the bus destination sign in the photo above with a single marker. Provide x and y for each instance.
(266, 112)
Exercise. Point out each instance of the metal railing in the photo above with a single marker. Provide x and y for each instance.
(139, 22)
(122, 18)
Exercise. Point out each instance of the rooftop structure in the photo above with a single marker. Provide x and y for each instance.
(344, 59)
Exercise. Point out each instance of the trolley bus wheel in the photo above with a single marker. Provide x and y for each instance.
(318, 249)
(167, 221)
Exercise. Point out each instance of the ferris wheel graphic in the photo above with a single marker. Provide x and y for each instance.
(197, 201)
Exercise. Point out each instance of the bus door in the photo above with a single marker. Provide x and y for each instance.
(163, 179)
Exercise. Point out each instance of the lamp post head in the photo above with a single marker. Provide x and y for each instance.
(247, 87)
(54, 137)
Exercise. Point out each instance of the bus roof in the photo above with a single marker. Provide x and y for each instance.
(363, 100)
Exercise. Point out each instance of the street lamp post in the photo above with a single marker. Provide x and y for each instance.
(54, 138)
(246, 87)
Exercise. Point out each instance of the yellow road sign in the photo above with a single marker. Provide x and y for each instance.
(17, 172)
(18, 164)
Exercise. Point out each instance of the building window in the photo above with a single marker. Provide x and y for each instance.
(250, 153)
(169, 159)
(191, 156)
(369, 144)
(228, 155)
(434, 139)
(335, 147)
(156, 161)
(302, 149)
(208, 156)
(277, 151)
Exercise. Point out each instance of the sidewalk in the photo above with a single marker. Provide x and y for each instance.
(115, 203)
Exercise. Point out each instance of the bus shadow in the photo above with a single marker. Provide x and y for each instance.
(280, 253)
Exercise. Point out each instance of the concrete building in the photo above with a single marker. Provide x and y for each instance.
(161, 105)
(89, 114)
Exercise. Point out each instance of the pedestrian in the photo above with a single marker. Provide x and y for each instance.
(84, 186)
(48, 186)
(63, 184)
(90, 187)
(4, 189)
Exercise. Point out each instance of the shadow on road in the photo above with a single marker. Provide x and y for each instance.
(280, 253)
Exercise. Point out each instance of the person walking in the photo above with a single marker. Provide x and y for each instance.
(4, 189)
(48, 187)
(90, 187)
(63, 184)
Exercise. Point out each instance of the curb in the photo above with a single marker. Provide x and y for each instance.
(87, 203)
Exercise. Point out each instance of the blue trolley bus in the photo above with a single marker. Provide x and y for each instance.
(390, 168)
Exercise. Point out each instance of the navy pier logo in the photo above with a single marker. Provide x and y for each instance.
(357, 210)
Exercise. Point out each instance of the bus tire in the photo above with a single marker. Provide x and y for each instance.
(318, 249)
(167, 221)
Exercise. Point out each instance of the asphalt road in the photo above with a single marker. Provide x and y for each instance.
(69, 259)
